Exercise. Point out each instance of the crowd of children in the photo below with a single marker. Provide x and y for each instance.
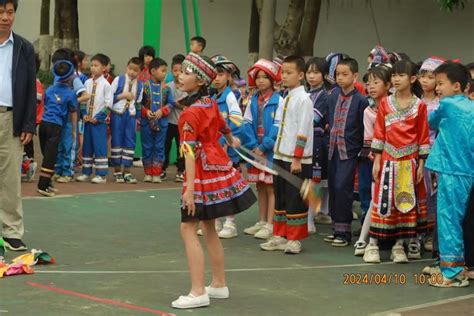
(313, 120)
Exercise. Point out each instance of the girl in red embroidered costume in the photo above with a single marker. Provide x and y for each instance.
(401, 144)
(212, 187)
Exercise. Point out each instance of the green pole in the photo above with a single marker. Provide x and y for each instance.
(152, 24)
(197, 25)
(184, 9)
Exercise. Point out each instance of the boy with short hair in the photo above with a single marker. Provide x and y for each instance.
(94, 149)
(64, 168)
(346, 125)
(157, 102)
(175, 113)
(230, 110)
(127, 91)
(60, 101)
(198, 44)
(293, 152)
(454, 166)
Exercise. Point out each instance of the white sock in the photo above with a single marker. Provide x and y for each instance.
(373, 241)
(364, 233)
(269, 226)
(230, 220)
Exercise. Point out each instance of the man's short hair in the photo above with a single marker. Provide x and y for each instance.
(201, 40)
(455, 72)
(3, 3)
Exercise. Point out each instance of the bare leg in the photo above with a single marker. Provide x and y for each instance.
(215, 253)
(271, 203)
(195, 257)
(262, 201)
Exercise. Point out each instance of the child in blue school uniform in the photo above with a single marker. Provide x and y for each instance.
(128, 92)
(60, 101)
(157, 101)
(259, 135)
(67, 147)
(230, 110)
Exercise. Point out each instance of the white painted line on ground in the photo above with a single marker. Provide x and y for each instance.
(227, 270)
(96, 193)
(397, 311)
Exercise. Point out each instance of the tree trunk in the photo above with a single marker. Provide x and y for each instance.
(66, 25)
(286, 36)
(254, 34)
(45, 41)
(309, 28)
(267, 22)
(44, 20)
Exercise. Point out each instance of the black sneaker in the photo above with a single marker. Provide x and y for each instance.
(46, 192)
(163, 175)
(14, 244)
(329, 238)
(340, 242)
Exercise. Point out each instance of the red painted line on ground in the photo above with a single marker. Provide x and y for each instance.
(100, 300)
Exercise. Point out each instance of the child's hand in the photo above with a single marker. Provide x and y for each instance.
(86, 118)
(235, 142)
(258, 152)
(150, 115)
(295, 166)
(128, 96)
(93, 121)
(188, 202)
(158, 114)
(371, 156)
(420, 171)
(375, 171)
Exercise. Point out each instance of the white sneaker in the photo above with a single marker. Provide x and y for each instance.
(428, 244)
(321, 218)
(432, 269)
(99, 180)
(229, 231)
(252, 230)
(266, 232)
(147, 178)
(372, 254)
(217, 292)
(82, 178)
(156, 179)
(398, 254)
(138, 163)
(218, 225)
(359, 248)
(191, 301)
(355, 216)
(293, 247)
(64, 179)
(275, 243)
